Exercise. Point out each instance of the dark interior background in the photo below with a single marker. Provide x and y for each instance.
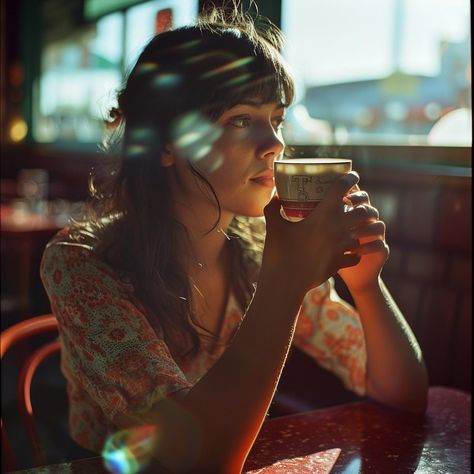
(423, 193)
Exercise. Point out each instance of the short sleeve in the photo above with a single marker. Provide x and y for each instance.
(330, 331)
(108, 346)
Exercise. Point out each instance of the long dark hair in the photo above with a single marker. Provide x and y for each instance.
(194, 71)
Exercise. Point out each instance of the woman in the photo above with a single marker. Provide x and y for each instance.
(151, 290)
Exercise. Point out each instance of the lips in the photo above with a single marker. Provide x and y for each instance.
(265, 179)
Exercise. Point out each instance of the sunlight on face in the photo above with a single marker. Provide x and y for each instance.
(129, 451)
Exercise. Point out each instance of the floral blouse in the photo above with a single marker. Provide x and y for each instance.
(115, 362)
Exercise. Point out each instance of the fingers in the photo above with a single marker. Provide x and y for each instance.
(374, 229)
(375, 246)
(349, 260)
(350, 245)
(272, 209)
(358, 198)
(338, 189)
(361, 214)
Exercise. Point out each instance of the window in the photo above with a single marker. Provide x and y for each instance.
(80, 75)
(371, 72)
(77, 75)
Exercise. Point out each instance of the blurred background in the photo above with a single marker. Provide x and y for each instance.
(384, 82)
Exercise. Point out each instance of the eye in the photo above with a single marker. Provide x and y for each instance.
(240, 122)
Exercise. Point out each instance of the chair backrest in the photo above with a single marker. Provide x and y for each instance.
(22, 331)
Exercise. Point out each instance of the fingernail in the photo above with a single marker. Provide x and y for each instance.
(351, 178)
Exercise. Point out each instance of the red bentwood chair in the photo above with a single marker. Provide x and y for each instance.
(23, 331)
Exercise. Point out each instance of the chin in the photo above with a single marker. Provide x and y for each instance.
(252, 207)
(256, 210)
(255, 214)
(252, 211)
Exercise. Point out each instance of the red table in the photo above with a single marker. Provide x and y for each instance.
(361, 437)
(375, 439)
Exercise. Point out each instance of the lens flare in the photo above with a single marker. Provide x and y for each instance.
(194, 136)
(130, 451)
(212, 164)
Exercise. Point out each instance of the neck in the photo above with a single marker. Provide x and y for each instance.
(198, 213)
(207, 246)
(208, 250)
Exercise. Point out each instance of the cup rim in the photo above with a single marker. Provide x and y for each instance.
(315, 160)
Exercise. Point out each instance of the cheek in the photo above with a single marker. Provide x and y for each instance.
(224, 167)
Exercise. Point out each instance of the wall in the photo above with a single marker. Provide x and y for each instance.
(430, 268)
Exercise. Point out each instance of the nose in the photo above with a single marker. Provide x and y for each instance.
(271, 144)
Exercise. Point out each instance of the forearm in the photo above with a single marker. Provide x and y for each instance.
(396, 373)
(230, 402)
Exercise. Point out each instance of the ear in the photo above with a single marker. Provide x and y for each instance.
(167, 157)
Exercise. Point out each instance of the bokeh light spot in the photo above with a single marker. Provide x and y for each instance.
(18, 130)
(130, 451)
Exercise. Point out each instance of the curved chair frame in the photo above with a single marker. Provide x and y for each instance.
(9, 337)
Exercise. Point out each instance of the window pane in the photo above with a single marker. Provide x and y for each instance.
(142, 22)
(80, 75)
(77, 80)
(379, 71)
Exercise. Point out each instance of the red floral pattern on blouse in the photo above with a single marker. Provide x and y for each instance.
(114, 362)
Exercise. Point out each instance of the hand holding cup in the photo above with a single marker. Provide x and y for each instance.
(307, 253)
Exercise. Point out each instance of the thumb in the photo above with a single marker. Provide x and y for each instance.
(272, 210)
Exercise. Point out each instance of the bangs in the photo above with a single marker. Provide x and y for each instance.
(207, 69)
(258, 71)
(266, 89)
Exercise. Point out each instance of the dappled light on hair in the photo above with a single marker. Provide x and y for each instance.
(165, 80)
(182, 83)
(230, 66)
(135, 150)
(141, 134)
(235, 81)
(146, 67)
(140, 141)
(130, 451)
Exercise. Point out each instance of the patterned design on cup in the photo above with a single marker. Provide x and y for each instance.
(302, 182)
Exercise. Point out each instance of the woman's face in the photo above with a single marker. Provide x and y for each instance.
(239, 164)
